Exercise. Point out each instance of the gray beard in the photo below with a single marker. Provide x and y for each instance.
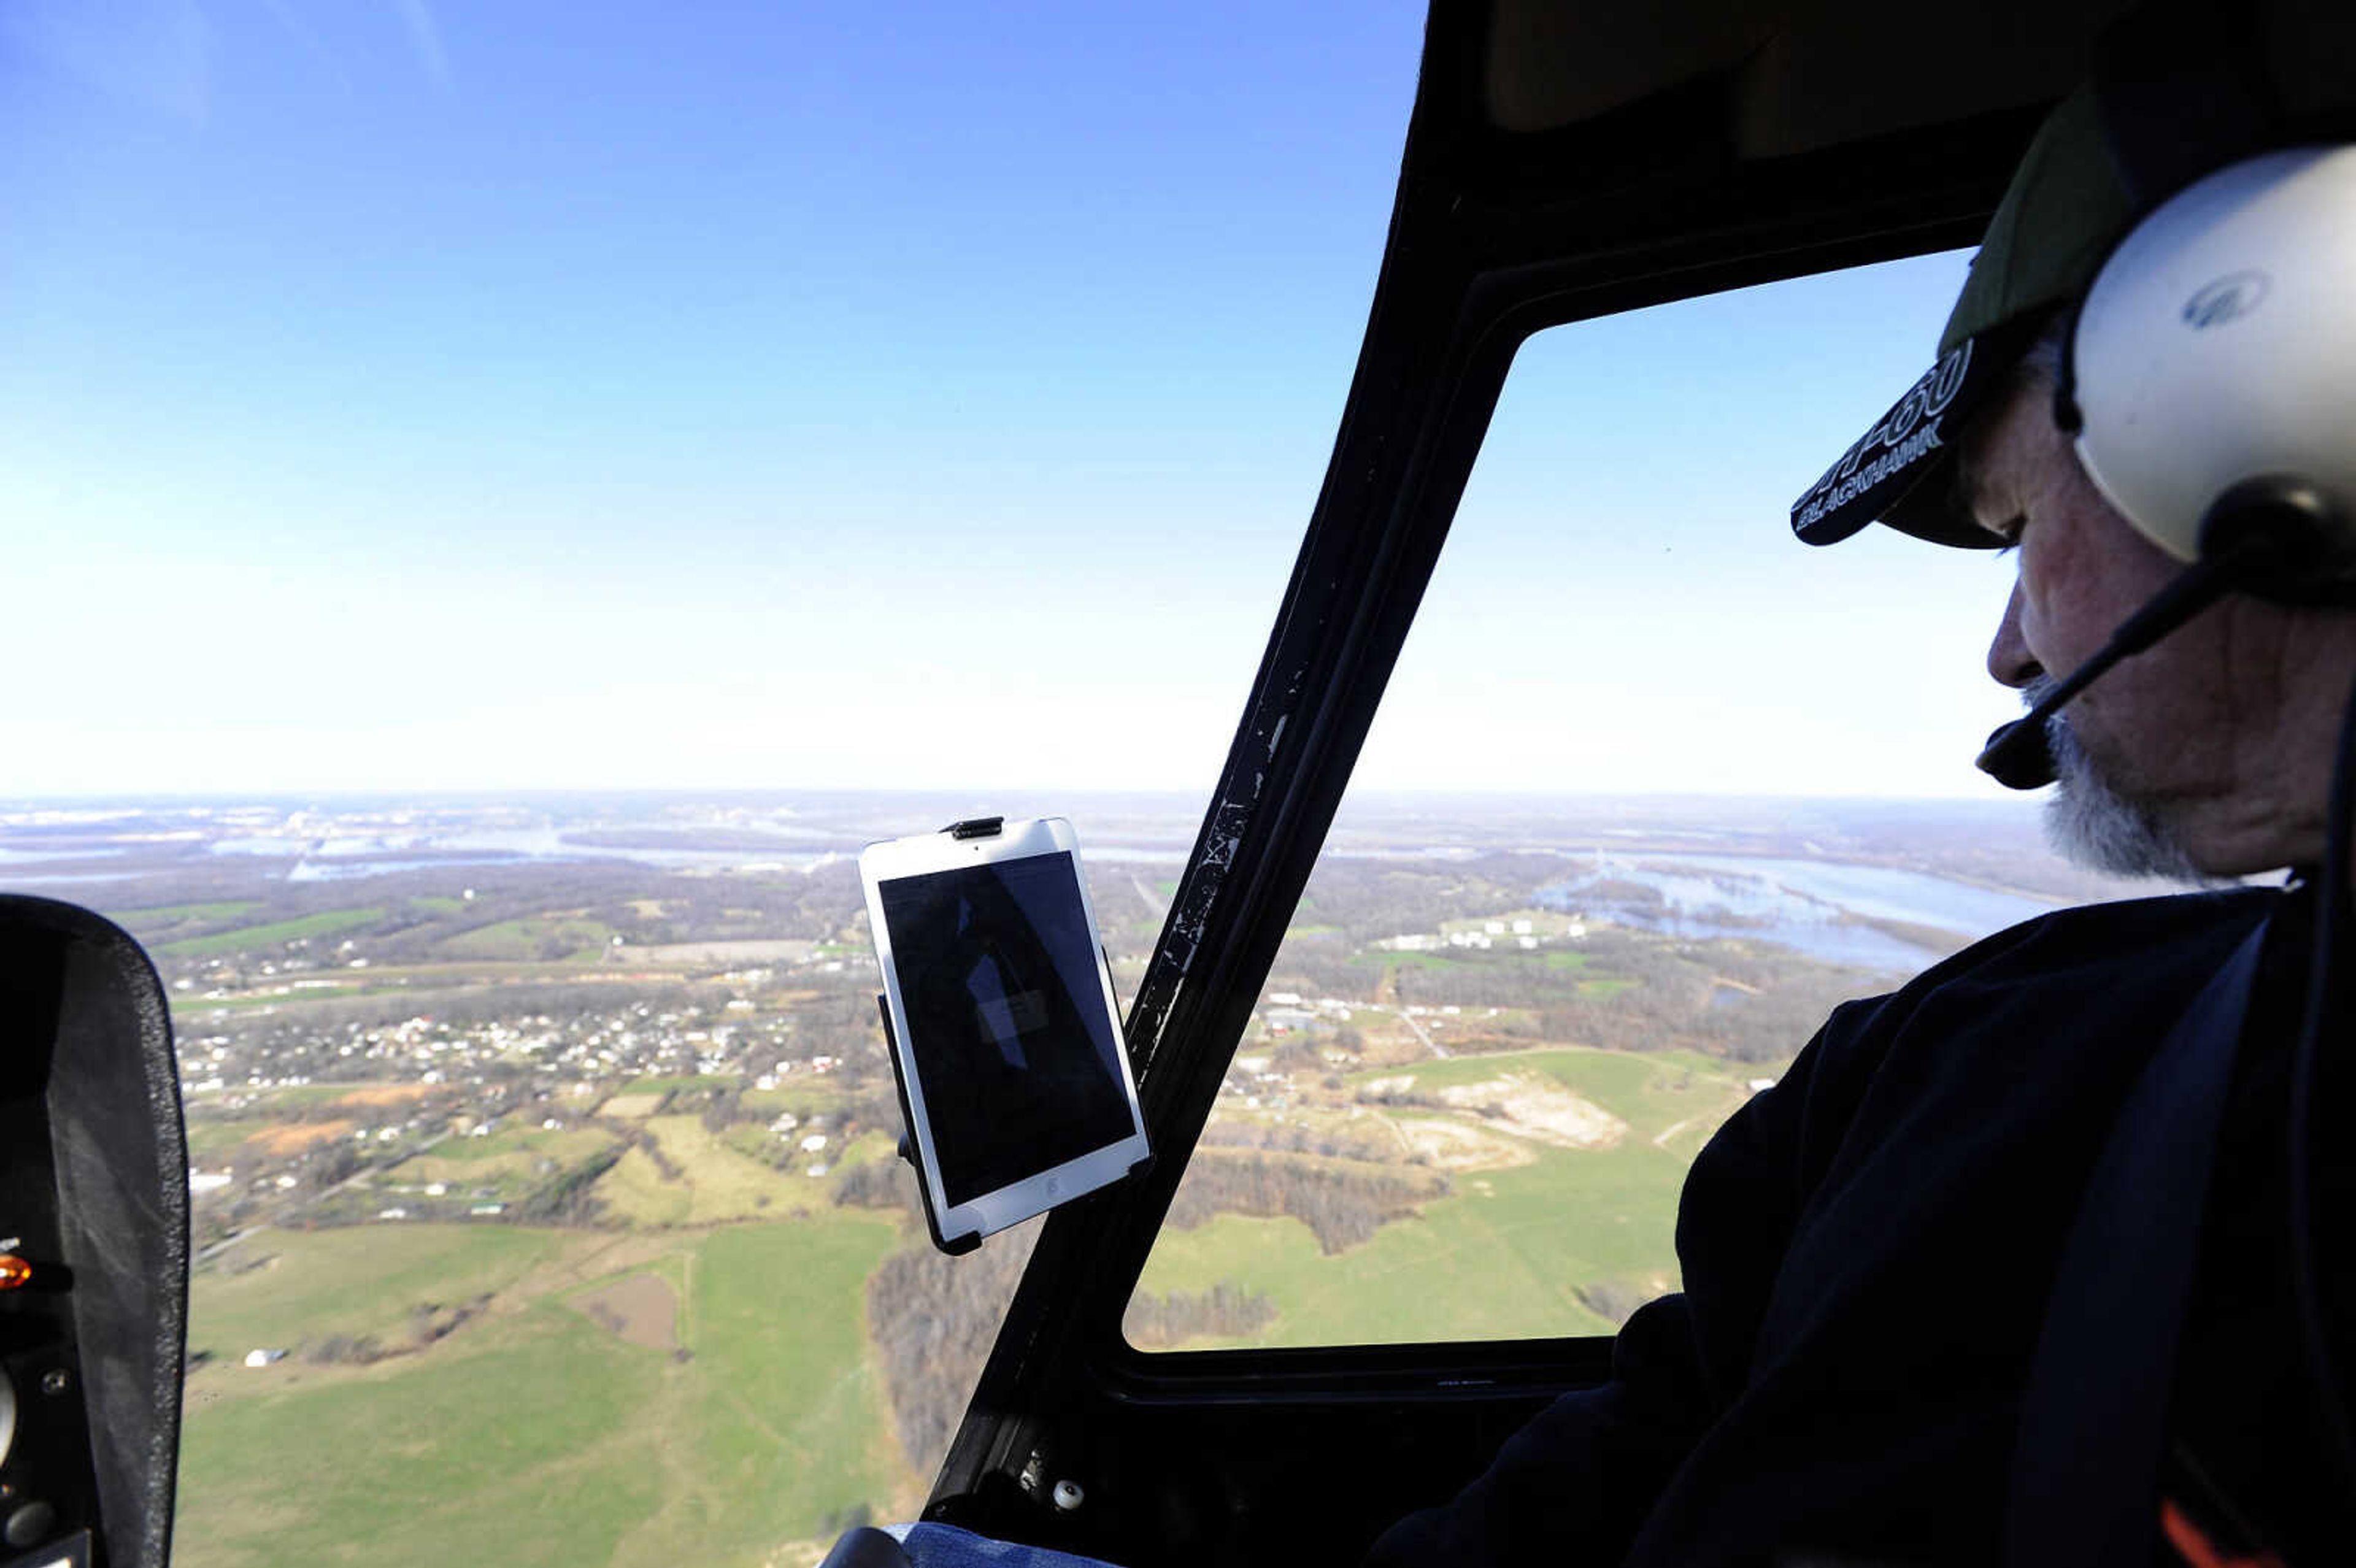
(2090, 823)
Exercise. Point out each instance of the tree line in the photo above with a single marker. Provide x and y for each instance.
(1342, 1202)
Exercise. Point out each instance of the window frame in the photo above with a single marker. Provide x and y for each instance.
(1494, 238)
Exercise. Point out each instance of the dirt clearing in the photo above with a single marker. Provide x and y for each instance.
(632, 1106)
(1540, 1110)
(385, 1095)
(281, 1142)
(1457, 1146)
(641, 1309)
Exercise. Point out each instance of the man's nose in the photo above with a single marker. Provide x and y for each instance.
(2008, 658)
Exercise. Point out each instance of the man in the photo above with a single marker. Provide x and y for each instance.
(1965, 1286)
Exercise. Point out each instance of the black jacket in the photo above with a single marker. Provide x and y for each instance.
(1867, 1249)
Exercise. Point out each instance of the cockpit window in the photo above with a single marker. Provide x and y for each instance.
(501, 502)
(1654, 787)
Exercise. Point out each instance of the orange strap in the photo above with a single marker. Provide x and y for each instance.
(2192, 1543)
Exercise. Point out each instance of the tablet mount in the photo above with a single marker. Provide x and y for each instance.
(977, 828)
(971, 828)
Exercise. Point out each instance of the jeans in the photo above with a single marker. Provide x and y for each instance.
(946, 1546)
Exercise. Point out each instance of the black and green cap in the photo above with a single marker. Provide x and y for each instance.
(2141, 130)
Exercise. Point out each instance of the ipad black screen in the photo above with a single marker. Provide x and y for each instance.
(1006, 1019)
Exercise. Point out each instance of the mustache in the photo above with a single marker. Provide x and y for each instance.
(2070, 761)
(2058, 733)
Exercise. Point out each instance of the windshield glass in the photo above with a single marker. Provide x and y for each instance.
(1653, 789)
(502, 501)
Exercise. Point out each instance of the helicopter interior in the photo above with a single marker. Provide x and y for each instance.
(1563, 163)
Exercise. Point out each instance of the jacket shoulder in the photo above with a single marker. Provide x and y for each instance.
(2086, 974)
(2134, 939)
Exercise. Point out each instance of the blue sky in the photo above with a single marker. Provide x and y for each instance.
(401, 395)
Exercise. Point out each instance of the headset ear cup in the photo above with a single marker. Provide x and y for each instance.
(2291, 543)
(2214, 357)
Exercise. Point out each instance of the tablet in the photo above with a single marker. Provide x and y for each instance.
(1014, 1077)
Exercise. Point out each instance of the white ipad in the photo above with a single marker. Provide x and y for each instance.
(1013, 1074)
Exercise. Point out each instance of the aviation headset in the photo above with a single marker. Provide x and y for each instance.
(2209, 380)
(2211, 372)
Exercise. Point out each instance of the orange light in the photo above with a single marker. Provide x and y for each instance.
(14, 1271)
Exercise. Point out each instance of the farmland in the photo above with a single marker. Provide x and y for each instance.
(537, 1431)
(1532, 1240)
(619, 1245)
(553, 1203)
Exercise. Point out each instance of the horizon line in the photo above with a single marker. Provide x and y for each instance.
(285, 795)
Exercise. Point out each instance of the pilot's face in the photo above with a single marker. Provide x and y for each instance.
(2203, 733)
(2083, 569)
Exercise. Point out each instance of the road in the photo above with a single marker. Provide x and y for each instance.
(1408, 1018)
(1153, 900)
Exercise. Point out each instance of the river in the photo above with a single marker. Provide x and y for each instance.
(1818, 907)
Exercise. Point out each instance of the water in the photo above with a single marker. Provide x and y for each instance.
(1813, 906)
(1883, 892)
(334, 870)
(342, 859)
(59, 879)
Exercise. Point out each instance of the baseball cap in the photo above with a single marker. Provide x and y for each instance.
(2141, 129)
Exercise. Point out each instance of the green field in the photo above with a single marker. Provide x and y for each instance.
(1504, 1257)
(303, 1285)
(1514, 1247)
(529, 938)
(212, 1143)
(277, 933)
(715, 1183)
(531, 1434)
(566, 1146)
(786, 1422)
(669, 1085)
(200, 1007)
(805, 1094)
(506, 1166)
(866, 1147)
